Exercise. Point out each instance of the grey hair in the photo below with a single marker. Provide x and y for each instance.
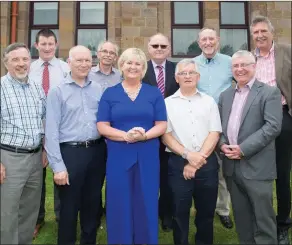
(206, 28)
(260, 19)
(243, 53)
(100, 45)
(186, 62)
(12, 47)
(73, 49)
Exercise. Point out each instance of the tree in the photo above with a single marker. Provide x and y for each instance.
(227, 49)
(194, 49)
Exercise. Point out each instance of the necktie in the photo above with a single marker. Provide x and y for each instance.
(209, 60)
(46, 78)
(160, 80)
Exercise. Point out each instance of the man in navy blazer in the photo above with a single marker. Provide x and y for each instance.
(160, 73)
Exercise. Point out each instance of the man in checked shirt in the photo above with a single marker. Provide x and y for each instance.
(274, 68)
(23, 104)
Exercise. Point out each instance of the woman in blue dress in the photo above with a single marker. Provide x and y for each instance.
(132, 115)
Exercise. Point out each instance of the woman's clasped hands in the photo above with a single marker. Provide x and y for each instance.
(135, 134)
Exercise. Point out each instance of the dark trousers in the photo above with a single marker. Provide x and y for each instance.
(165, 210)
(203, 189)
(42, 211)
(283, 161)
(86, 168)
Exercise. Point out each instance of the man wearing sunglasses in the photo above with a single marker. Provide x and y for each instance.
(160, 73)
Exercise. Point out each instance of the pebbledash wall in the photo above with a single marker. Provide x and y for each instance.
(130, 24)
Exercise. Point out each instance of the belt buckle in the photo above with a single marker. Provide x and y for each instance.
(86, 144)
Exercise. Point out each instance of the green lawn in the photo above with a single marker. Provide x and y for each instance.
(48, 234)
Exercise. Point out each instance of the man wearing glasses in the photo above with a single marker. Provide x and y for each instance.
(106, 75)
(193, 129)
(160, 73)
(251, 116)
(104, 72)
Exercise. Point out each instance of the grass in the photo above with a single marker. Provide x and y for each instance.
(49, 232)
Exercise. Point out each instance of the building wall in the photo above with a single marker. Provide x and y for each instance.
(132, 23)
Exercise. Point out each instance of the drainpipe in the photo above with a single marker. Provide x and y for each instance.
(14, 15)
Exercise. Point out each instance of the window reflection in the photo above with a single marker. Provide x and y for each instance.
(92, 13)
(45, 13)
(90, 38)
(186, 13)
(232, 40)
(184, 42)
(232, 13)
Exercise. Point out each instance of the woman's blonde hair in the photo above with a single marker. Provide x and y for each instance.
(129, 54)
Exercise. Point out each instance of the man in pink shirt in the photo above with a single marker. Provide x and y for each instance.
(251, 116)
(274, 68)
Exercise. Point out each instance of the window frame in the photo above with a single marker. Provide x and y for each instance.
(79, 26)
(244, 26)
(39, 27)
(198, 26)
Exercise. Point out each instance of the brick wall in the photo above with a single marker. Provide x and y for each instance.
(132, 23)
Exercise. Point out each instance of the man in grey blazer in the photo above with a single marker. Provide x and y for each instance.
(274, 68)
(251, 115)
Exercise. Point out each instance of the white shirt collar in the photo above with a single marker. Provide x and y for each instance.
(52, 62)
(155, 65)
(178, 94)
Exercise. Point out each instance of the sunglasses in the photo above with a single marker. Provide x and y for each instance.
(156, 46)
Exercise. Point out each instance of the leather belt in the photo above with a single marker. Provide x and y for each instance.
(86, 144)
(19, 149)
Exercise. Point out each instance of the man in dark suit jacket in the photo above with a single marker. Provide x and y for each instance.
(251, 116)
(274, 68)
(160, 73)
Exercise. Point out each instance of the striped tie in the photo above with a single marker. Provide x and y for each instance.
(46, 78)
(160, 80)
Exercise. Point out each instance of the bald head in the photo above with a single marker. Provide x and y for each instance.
(159, 36)
(207, 31)
(158, 48)
(80, 62)
(77, 49)
(208, 42)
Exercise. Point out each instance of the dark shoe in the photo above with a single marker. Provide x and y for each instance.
(166, 228)
(226, 221)
(283, 237)
(37, 229)
(166, 224)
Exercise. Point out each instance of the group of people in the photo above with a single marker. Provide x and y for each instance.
(208, 129)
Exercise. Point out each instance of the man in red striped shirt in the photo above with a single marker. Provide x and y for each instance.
(274, 68)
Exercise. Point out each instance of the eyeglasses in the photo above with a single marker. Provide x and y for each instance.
(156, 46)
(191, 73)
(243, 65)
(106, 52)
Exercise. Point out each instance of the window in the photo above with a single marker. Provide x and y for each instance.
(234, 30)
(91, 27)
(186, 22)
(42, 15)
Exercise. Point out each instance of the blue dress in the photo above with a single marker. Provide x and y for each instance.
(132, 174)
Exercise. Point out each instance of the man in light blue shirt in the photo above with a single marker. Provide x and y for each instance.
(75, 150)
(56, 70)
(216, 76)
(105, 73)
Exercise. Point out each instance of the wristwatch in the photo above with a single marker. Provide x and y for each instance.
(185, 153)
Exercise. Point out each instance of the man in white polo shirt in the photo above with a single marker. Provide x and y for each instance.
(192, 165)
